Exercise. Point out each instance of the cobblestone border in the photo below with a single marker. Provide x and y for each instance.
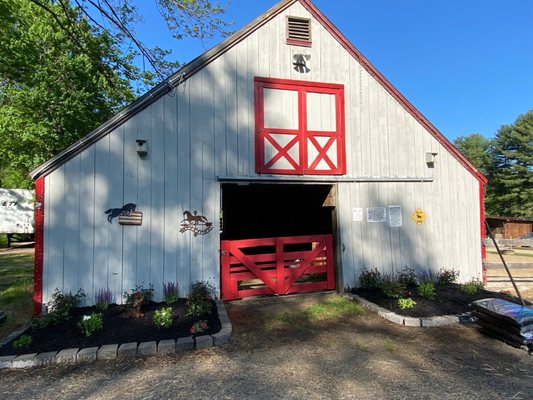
(422, 322)
(113, 351)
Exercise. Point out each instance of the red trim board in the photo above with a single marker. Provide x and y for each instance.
(38, 263)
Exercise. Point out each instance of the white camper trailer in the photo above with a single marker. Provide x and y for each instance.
(16, 212)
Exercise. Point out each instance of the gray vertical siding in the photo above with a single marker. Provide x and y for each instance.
(205, 129)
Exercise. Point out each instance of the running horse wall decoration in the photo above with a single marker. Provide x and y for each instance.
(126, 215)
(197, 224)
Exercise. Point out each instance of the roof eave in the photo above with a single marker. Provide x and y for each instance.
(158, 91)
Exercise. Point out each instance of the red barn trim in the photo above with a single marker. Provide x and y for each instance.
(301, 135)
(483, 230)
(39, 234)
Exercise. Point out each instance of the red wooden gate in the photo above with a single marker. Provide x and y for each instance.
(279, 265)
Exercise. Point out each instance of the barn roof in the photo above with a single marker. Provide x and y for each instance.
(197, 64)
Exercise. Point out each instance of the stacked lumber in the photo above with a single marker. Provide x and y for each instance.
(505, 320)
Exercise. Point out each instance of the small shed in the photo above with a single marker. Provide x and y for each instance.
(510, 227)
(279, 161)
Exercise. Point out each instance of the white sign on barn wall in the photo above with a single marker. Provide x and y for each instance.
(376, 214)
(395, 216)
(16, 210)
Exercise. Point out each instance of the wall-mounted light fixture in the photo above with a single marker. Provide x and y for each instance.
(430, 159)
(142, 147)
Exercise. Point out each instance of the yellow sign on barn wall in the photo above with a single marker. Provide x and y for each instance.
(419, 216)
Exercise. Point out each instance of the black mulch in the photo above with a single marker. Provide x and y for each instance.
(115, 330)
(448, 300)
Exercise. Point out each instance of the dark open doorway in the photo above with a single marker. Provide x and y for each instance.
(272, 210)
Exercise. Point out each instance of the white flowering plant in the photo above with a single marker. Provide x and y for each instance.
(91, 323)
(163, 318)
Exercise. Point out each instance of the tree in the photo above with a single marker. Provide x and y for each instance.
(67, 66)
(52, 92)
(118, 19)
(510, 186)
(475, 148)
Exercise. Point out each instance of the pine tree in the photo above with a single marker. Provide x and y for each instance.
(510, 186)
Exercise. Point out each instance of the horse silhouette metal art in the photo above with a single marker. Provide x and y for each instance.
(197, 224)
(126, 209)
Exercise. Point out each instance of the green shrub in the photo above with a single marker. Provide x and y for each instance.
(58, 308)
(370, 279)
(447, 276)
(200, 295)
(406, 303)
(426, 290)
(140, 290)
(392, 287)
(62, 303)
(471, 287)
(90, 324)
(407, 277)
(21, 342)
(163, 318)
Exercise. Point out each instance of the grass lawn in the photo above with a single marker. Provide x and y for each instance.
(331, 308)
(16, 290)
(3, 240)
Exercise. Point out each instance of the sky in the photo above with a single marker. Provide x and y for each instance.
(467, 65)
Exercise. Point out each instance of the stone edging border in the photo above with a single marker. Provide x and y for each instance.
(113, 351)
(423, 322)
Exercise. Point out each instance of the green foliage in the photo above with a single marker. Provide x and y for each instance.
(199, 301)
(369, 279)
(331, 308)
(163, 318)
(89, 324)
(471, 287)
(170, 292)
(426, 290)
(58, 308)
(53, 89)
(199, 327)
(62, 303)
(16, 289)
(334, 307)
(389, 344)
(103, 298)
(22, 342)
(146, 293)
(475, 148)
(447, 276)
(406, 303)
(407, 277)
(510, 186)
(392, 287)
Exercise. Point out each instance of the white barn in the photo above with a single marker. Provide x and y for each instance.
(279, 161)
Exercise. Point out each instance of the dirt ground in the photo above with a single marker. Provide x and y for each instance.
(498, 280)
(354, 358)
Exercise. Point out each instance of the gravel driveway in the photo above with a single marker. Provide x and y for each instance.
(361, 357)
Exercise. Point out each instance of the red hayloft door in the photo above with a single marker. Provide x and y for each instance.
(299, 127)
(278, 266)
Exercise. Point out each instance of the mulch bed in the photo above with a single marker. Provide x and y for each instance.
(448, 300)
(116, 330)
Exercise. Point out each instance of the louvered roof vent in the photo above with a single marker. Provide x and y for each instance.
(299, 31)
